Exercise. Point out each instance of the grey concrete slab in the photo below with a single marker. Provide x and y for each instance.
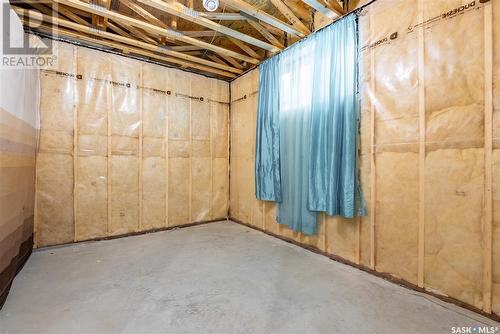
(214, 278)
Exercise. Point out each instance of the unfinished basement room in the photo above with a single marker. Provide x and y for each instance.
(250, 166)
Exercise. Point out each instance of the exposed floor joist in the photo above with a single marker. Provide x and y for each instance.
(257, 30)
(117, 17)
(35, 16)
(129, 50)
(326, 8)
(289, 14)
(262, 16)
(185, 13)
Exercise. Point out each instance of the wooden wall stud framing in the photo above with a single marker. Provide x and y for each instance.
(264, 215)
(141, 126)
(212, 157)
(109, 105)
(373, 193)
(165, 141)
(422, 153)
(75, 144)
(190, 152)
(357, 255)
(488, 151)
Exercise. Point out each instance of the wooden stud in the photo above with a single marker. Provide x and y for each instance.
(422, 153)
(108, 179)
(75, 146)
(141, 140)
(166, 138)
(325, 232)
(107, 5)
(210, 118)
(373, 193)
(357, 255)
(488, 151)
(264, 215)
(190, 154)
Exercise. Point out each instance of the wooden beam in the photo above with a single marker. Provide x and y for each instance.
(264, 32)
(190, 15)
(233, 62)
(117, 17)
(138, 34)
(119, 30)
(335, 6)
(105, 19)
(322, 8)
(200, 33)
(116, 38)
(128, 49)
(71, 15)
(144, 13)
(249, 51)
(294, 20)
(301, 11)
(262, 16)
(216, 59)
(223, 16)
(185, 48)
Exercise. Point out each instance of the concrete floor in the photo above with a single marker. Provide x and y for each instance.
(219, 278)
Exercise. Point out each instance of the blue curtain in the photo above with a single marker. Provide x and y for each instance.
(296, 79)
(267, 150)
(308, 108)
(333, 179)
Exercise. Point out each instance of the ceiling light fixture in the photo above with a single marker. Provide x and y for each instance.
(211, 5)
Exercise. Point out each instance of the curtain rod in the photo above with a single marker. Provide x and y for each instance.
(303, 39)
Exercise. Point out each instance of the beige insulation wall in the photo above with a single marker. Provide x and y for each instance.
(430, 150)
(127, 146)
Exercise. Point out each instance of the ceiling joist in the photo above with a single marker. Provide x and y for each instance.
(129, 50)
(264, 32)
(35, 16)
(179, 10)
(294, 20)
(117, 17)
(325, 8)
(258, 14)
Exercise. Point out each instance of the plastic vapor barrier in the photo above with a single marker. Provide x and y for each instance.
(430, 150)
(127, 146)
